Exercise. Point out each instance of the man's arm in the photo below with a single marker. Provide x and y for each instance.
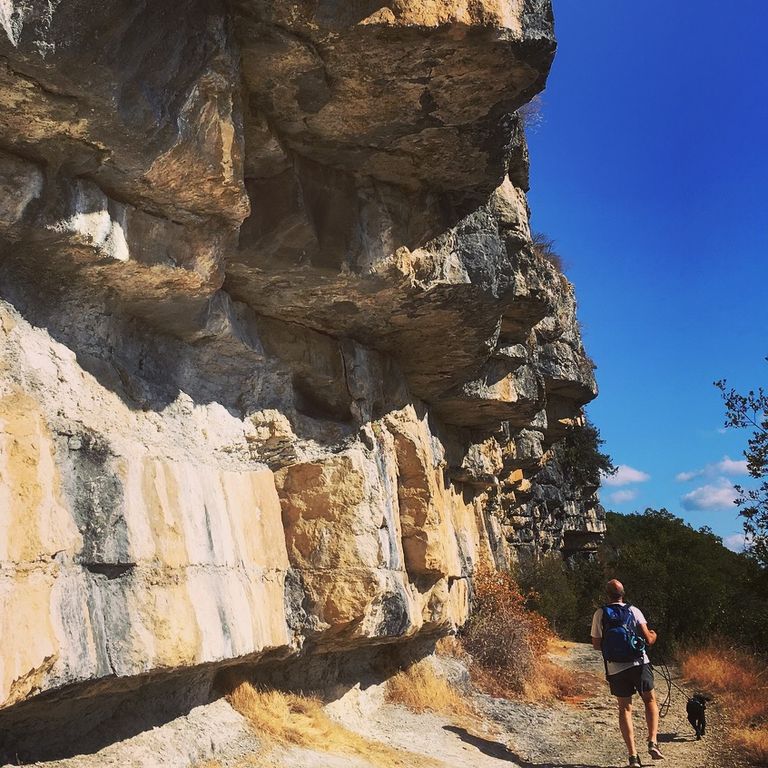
(597, 630)
(649, 634)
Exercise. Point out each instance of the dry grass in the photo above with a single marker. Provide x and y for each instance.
(739, 681)
(548, 682)
(753, 743)
(553, 681)
(544, 247)
(451, 647)
(419, 688)
(291, 719)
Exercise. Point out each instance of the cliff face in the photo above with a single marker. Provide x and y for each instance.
(559, 514)
(277, 359)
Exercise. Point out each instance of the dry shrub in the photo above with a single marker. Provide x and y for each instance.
(420, 689)
(507, 642)
(282, 718)
(739, 680)
(451, 647)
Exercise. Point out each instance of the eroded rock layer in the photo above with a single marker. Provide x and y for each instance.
(278, 360)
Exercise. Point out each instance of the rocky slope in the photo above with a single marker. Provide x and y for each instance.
(277, 359)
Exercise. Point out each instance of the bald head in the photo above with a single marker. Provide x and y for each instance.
(615, 589)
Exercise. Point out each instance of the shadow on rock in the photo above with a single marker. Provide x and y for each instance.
(498, 751)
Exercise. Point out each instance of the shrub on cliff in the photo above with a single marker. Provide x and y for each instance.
(505, 639)
(581, 457)
(509, 644)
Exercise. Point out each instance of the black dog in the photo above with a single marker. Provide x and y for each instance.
(697, 717)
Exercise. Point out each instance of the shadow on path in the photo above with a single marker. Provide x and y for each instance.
(498, 751)
(668, 738)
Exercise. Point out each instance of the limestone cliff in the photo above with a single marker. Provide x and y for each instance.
(277, 359)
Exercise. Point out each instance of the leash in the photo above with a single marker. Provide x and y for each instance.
(663, 669)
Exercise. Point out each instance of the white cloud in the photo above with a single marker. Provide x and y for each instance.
(735, 542)
(730, 466)
(726, 466)
(718, 495)
(617, 497)
(684, 477)
(625, 475)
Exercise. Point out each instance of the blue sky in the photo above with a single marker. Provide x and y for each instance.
(650, 171)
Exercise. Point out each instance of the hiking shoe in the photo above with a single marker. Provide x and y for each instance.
(634, 761)
(654, 751)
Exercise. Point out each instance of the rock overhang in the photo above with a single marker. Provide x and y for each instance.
(405, 96)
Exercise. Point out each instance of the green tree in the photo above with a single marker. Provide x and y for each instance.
(687, 583)
(550, 592)
(750, 411)
(581, 457)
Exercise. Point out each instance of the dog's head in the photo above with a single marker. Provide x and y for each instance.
(700, 700)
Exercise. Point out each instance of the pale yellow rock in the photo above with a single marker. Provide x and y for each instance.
(429, 540)
(34, 524)
(180, 514)
(30, 647)
(327, 522)
(223, 437)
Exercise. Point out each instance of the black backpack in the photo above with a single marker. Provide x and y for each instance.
(621, 643)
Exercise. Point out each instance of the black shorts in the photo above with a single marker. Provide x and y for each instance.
(635, 679)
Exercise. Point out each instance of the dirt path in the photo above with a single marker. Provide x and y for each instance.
(587, 735)
(523, 735)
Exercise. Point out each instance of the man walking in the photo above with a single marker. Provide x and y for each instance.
(621, 632)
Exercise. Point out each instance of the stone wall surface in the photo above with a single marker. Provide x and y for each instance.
(278, 360)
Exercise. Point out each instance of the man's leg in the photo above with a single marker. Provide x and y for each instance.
(652, 719)
(651, 715)
(625, 723)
